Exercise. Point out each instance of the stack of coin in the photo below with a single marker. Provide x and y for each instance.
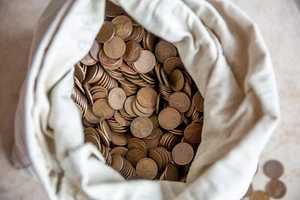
(139, 105)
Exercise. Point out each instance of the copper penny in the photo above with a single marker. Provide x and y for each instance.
(169, 118)
(141, 127)
(273, 169)
(146, 168)
(165, 50)
(120, 119)
(115, 48)
(123, 26)
(88, 60)
(171, 173)
(128, 105)
(112, 10)
(134, 156)
(276, 189)
(133, 51)
(182, 153)
(95, 49)
(259, 195)
(119, 151)
(117, 162)
(172, 63)
(180, 101)
(192, 133)
(176, 80)
(116, 98)
(147, 97)
(106, 32)
(145, 63)
(102, 109)
(198, 101)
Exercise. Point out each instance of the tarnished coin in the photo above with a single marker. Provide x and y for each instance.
(169, 118)
(133, 51)
(128, 105)
(146, 168)
(106, 32)
(119, 151)
(172, 63)
(147, 97)
(145, 63)
(134, 156)
(141, 127)
(259, 195)
(165, 50)
(171, 173)
(112, 10)
(180, 101)
(198, 101)
(176, 80)
(123, 26)
(276, 189)
(117, 162)
(115, 48)
(273, 169)
(193, 132)
(116, 98)
(182, 153)
(102, 109)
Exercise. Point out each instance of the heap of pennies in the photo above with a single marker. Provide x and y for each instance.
(138, 104)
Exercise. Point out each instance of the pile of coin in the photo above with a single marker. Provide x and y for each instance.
(274, 188)
(139, 105)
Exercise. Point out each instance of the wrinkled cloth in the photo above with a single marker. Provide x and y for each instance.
(222, 49)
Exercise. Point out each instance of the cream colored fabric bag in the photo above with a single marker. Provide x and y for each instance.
(223, 51)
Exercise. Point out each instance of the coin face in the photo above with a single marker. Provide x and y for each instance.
(106, 32)
(123, 26)
(192, 133)
(134, 156)
(145, 63)
(259, 195)
(273, 169)
(182, 153)
(147, 97)
(133, 51)
(165, 50)
(276, 189)
(169, 118)
(146, 168)
(102, 109)
(180, 101)
(115, 48)
(176, 80)
(141, 127)
(116, 98)
(112, 10)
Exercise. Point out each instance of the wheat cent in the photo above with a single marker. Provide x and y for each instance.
(141, 127)
(116, 98)
(115, 48)
(259, 195)
(145, 63)
(112, 10)
(134, 156)
(169, 118)
(133, 51)
(198, 101)
(165, 50)
(182, 153)
(180, 101)
(102, 109)
(273, 169)
(123, 26)
(106, 32)
(276, 189)
(176, 80)
(192, 133)
(146, 168)
(147, 97)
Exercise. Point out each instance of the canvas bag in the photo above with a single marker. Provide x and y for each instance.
(226, 56)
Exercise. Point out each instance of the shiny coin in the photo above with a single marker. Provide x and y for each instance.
(106, 32)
